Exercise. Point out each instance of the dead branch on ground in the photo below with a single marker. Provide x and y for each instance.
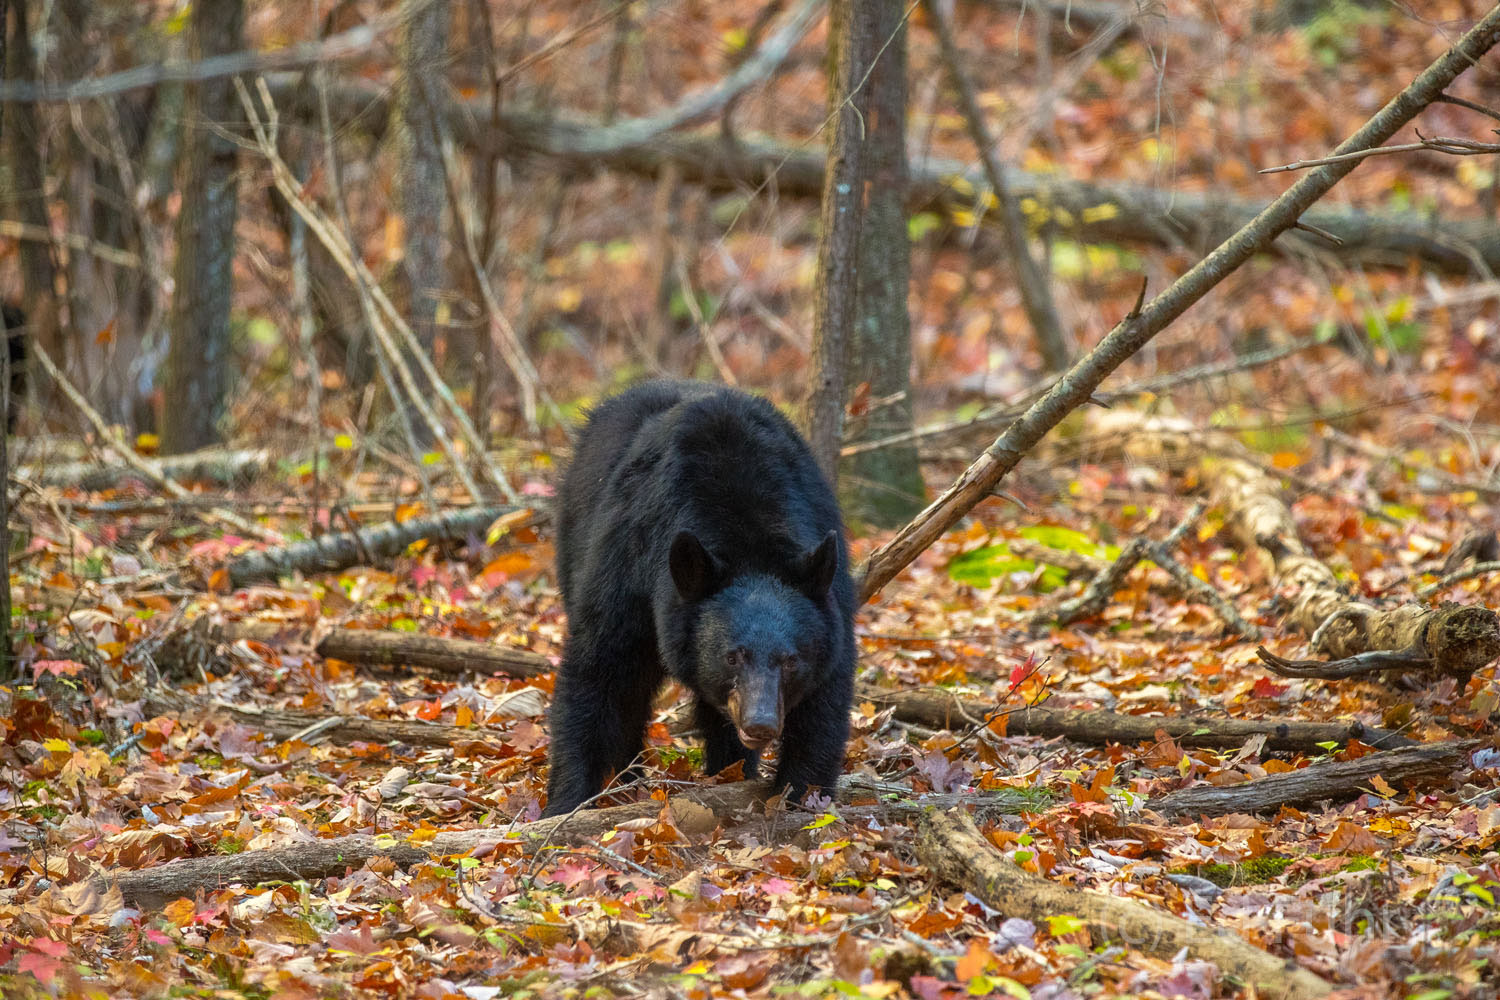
(953, 848)
(334, 552)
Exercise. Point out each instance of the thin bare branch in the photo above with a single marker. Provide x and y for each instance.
(1440, 144)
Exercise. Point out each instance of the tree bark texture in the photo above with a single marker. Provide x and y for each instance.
(24, 197)
(198, 360)
(883, 487)
(851, 43)
(421, 188)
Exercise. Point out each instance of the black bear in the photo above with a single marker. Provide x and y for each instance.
(698, 540)
(13, 322)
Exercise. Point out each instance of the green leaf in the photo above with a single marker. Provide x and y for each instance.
(1064, 924)
(921, 224)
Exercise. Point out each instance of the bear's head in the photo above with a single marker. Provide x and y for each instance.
(759, 640)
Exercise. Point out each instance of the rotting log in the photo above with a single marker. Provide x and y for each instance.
(1328, 780)
(954, 849)
(1058, 206)
(1358, 638)
(331, 553)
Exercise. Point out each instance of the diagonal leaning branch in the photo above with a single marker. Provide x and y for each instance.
(1143, 323)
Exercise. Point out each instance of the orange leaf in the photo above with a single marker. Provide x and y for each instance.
(973, 962)
(218, 581)
(1351, 838)
(429, 710)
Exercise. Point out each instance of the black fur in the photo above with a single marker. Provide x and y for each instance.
(13, 321)
(697, 539)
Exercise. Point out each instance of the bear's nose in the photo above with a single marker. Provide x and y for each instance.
(761, 732)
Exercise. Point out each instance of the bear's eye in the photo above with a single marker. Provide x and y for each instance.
(737, 658)
(787, 663)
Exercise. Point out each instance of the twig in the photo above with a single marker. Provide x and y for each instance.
(1374, 661)
(73, 241)
(1439, 144)
(1460, 102)
(705, 333)
(1458, 576)
(516, 359)
(355, 41)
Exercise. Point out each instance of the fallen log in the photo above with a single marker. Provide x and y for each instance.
(953, 848)
(312, 727)
(1335, 780)
(939, 709)
(1101, 212)
(214, 465)
(316, 859)
(934, 708)
(331, 553)
(433, 652)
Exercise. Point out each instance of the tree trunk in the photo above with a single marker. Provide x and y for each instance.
(421, 191)
(198, 360)
(884, 486)
(24, 197)
(851, 44)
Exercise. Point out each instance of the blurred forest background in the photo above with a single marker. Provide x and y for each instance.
(304, 301)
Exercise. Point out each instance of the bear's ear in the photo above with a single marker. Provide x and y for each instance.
(692, 567)
(819, 565)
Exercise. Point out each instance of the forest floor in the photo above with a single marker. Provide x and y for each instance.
(210, 785)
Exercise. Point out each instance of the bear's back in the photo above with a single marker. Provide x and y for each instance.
(664, 457)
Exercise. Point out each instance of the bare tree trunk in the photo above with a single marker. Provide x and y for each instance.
(7, 651)
(884, 486)
(26, 199)
(198, 360)
(421, 190)
(851, 39)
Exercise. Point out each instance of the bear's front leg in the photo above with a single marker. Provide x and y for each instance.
(599, 711)
(813, 740)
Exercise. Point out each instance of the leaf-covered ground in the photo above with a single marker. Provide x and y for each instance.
(1389, 441)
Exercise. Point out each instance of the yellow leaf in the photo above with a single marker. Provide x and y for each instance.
(56, 745)
(147, 442)
(343, 442)
(568, 298)
(1100, 213)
